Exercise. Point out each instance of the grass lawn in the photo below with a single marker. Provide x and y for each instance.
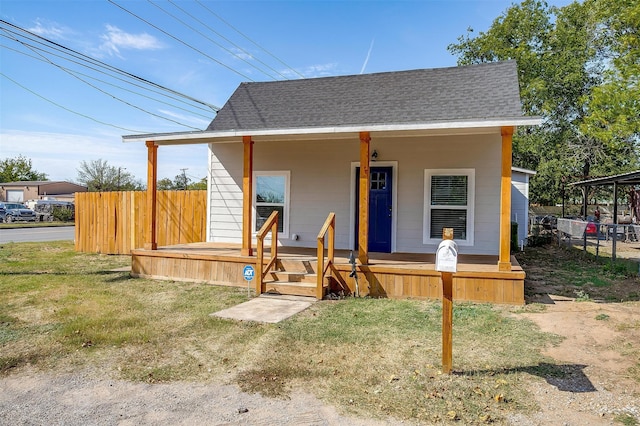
(13, 225)
(61, 310)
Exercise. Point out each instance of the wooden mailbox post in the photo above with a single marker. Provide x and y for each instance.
(446, 263)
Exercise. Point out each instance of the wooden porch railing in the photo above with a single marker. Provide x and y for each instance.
(329, 228)
(261, 271)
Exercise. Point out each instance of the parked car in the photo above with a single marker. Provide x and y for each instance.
(595, 228)
(3, 212)
(592, 227)
(18, 212)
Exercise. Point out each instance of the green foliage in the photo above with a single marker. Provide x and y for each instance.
(578, 69)
(19, 169)
(62, 214)
(539, 240)
(181, 182)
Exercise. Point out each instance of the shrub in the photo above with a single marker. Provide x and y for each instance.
(62, 214)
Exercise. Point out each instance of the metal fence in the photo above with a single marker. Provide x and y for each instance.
(614, 240)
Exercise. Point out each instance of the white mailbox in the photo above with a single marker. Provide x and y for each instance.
(447, 256)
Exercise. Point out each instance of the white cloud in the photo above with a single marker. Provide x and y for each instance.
(116, 39)
(241, 54)
(311, 71)
(50, 30)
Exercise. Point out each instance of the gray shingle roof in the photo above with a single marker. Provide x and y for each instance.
(475, 92)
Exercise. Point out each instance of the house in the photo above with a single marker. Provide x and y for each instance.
(39, 190)
(396, 156)
(520, 201)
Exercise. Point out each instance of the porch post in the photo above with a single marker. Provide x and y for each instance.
(504, 259)
(363, 202)
(151, 240)
(247, 195)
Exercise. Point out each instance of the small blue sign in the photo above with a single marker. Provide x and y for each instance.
(248, 272)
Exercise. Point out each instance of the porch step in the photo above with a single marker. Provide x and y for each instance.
(293, 276)
(292, 288)
(303, 264)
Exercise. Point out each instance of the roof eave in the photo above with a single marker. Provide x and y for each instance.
(631, 178)
(209, 136)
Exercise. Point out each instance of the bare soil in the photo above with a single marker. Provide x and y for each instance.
(600, 353)
(600, 349)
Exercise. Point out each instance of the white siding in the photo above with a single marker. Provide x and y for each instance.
(520, 203)
(321, 182)
(225, 199)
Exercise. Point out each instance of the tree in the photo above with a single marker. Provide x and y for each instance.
(615, 105)
(563, 71)
(165, 184)
(19, 169)
(201, 184)
(99, 176)
(181, 182)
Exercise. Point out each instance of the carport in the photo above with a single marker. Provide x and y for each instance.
(631, 179)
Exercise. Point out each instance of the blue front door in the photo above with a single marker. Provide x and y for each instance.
(380, 208)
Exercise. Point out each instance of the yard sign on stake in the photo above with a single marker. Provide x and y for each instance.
(446, 263)
(248, 273)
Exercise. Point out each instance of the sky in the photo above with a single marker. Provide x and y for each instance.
(60, 107)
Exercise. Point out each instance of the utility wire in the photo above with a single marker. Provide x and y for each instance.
(179, 40)
(226, 39)
(67, 109)
(246, 37)
(107, 93)
(110, 67)
(211, 40)
(83, 63)
(108, 83)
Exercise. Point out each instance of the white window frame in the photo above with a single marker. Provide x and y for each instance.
(470, 207)
(287, 200)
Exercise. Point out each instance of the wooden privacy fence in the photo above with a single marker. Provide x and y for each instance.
(114, 222)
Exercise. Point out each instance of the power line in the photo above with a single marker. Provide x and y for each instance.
(210, 39)
(196, 106)
(83, 57)
(105, 92)
(180, 41)
(44, 50)
(226, 39)
(246, 37)
(75, 73)
(68, 109)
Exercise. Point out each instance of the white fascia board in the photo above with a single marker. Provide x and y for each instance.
(336, 132)
(524, 171)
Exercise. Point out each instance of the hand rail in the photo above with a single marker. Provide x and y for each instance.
(261, 271)
(329, 228)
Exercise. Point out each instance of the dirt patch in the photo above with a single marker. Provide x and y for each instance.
(597, 382)
(79, 399)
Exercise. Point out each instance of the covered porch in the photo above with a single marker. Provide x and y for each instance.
(393, 275)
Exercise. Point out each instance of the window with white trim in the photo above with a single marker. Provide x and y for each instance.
(271, 192)
(449, 203)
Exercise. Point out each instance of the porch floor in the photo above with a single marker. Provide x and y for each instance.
(398, 275)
